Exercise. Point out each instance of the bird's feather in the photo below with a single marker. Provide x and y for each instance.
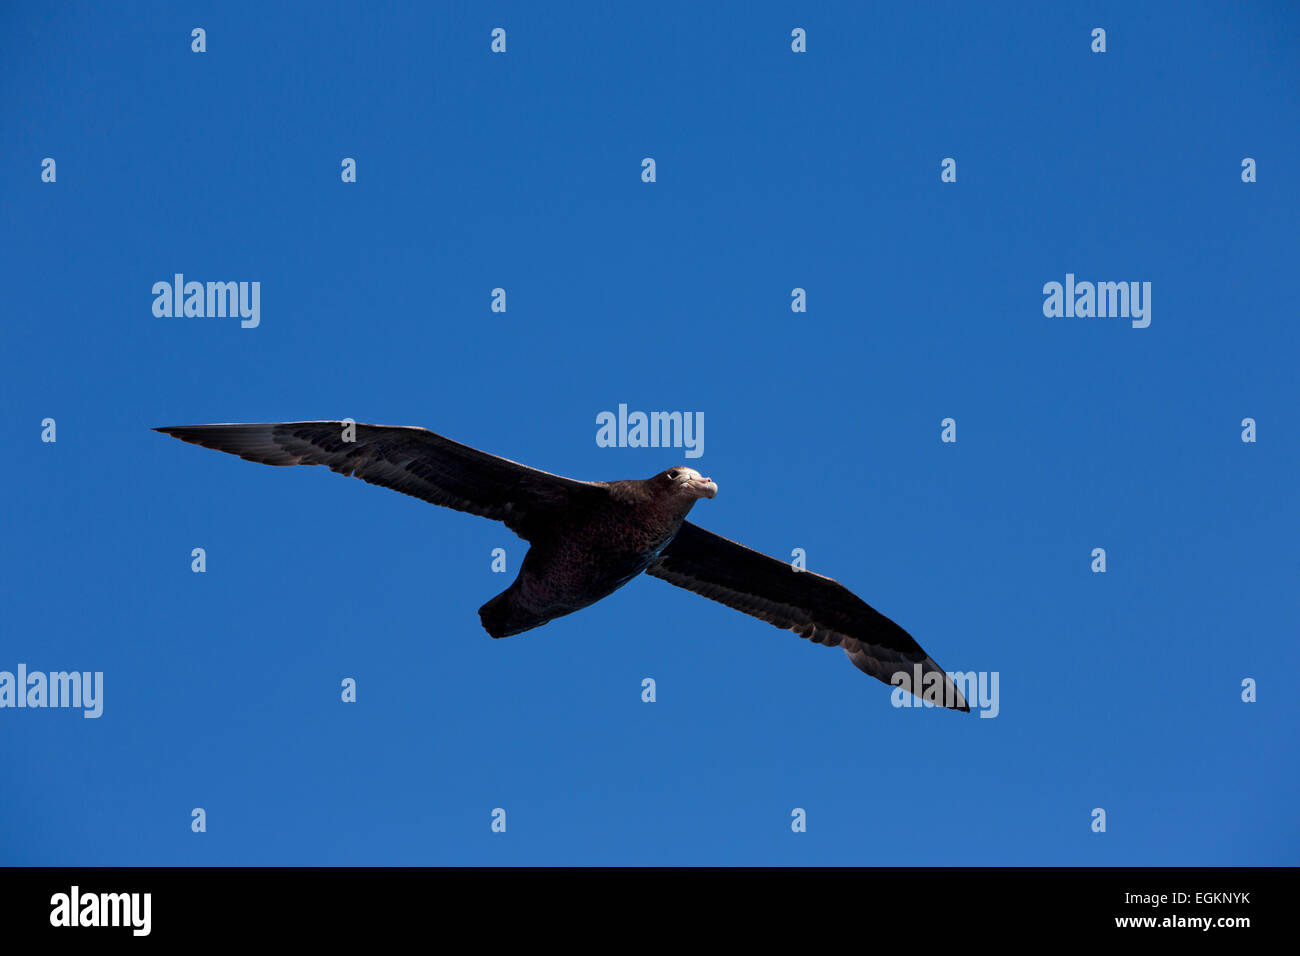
(414, 461)
(812, 605)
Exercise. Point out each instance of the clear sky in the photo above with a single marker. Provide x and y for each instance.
(774, 171)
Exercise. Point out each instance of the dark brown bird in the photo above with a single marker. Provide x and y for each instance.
(588, 538)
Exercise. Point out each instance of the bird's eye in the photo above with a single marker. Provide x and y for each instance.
(672, 475)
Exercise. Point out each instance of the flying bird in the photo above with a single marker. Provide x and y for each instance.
(589, 538)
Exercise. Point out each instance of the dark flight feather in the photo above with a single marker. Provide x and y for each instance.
(414, 461)
(812, 605)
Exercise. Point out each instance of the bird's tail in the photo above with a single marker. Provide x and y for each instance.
(502, 617)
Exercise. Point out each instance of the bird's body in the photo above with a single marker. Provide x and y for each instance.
(589, 538)
(589, 553)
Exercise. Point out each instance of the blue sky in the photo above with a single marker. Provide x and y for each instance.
(775, 170)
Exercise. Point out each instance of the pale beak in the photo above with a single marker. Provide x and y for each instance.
(701, 487)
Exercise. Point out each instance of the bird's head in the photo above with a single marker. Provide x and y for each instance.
(686, 482)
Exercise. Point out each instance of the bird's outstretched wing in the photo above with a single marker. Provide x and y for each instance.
(813, 606)
(414, 461)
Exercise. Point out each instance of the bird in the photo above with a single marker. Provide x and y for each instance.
(589, 538)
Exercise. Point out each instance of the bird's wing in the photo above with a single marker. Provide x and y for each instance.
(813, 606)
(414, 461)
